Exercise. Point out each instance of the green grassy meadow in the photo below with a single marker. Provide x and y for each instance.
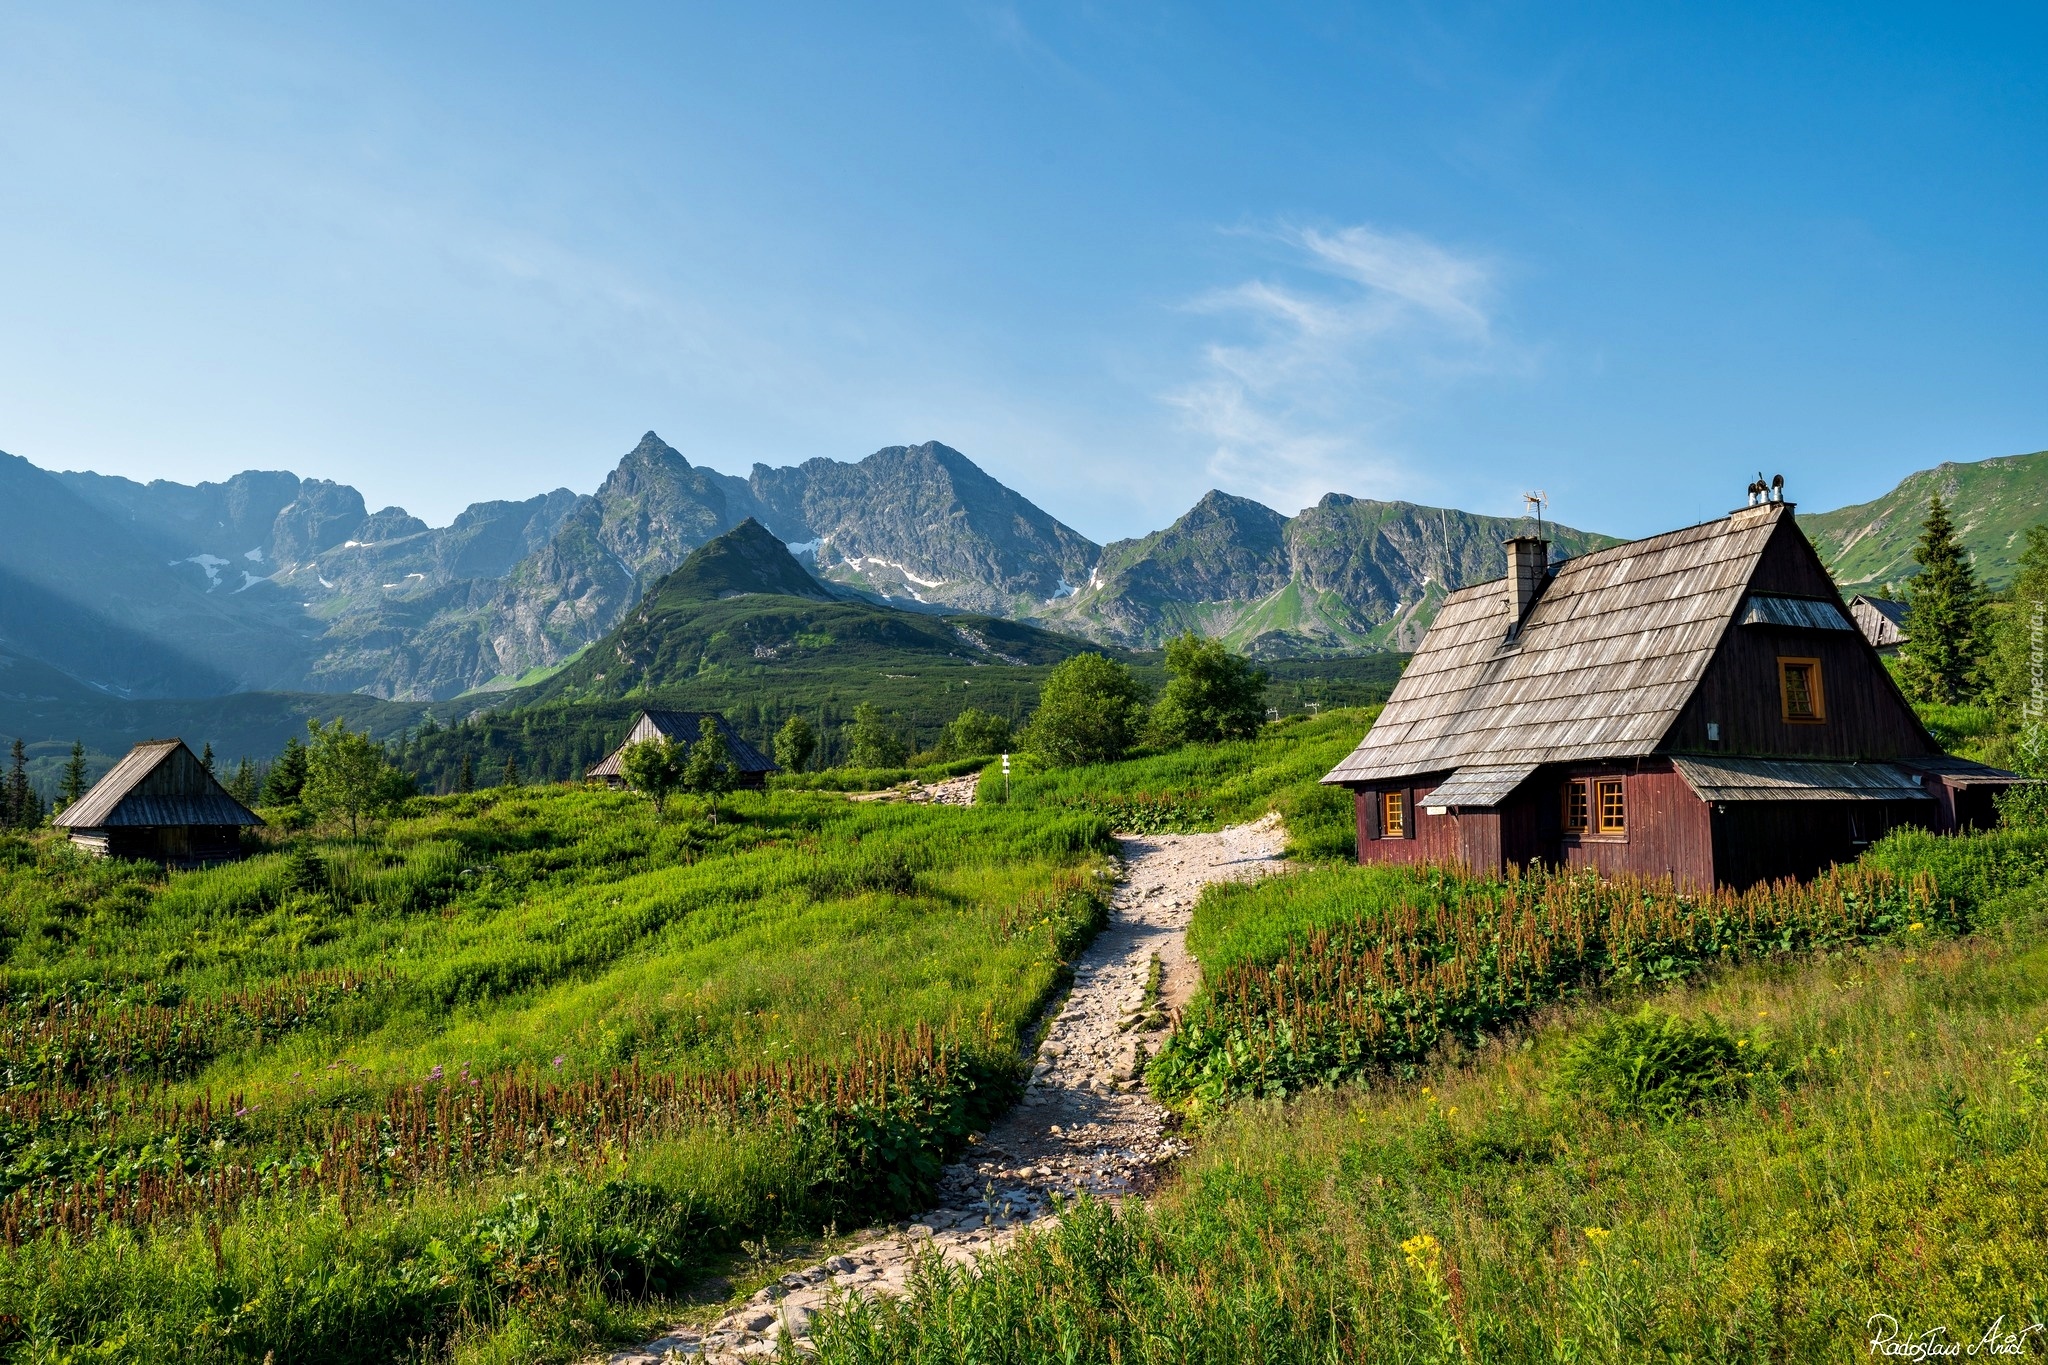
(1415, 1141)
(1208, 786)
(502, 1079)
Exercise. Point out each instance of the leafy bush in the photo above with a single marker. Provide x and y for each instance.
(1215, 694)
(1654, 1064)
(1088, 712)
(1984, 877)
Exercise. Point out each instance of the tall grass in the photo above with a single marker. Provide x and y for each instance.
(1342, 974)
(1207, 786)
(1891, 1162)
(478, 1080)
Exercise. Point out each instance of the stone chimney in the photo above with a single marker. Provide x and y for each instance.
(1528, 561)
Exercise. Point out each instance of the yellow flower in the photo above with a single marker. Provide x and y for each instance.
(1915, 927)
(1598, 1236)
(1422, 1251)
(1742, 1042)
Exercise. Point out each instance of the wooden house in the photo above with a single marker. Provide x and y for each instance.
(159, 803)
(1882, 621)
(1696, 705)
(683, 727)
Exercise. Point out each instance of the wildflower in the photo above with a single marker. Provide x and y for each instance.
(1598, 1236)
(436, 1073)
(559, 1061)
(1915, 927)
(1422, 1251)
(1742, 1042)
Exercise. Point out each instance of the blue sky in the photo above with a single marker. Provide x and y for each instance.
(1116, 254)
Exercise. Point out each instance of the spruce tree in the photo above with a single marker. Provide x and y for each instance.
(1945, 616)
(243, 786)
(206, 760)
(287, 776)
(74, 784)
(465, 781)
(22, 808)
(510, 777)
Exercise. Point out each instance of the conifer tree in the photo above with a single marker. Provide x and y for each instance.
(510, 777)
(1945, 616)
(465, 780)
(243, 786)
(287, 776)
(22, 808)
(74, 784)
(206, 760)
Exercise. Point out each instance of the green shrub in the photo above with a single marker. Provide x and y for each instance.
(1654, 1064)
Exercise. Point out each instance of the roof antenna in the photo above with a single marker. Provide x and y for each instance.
(1535, 503)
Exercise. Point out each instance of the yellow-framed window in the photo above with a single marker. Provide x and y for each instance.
(1577, 807)
(1613, 806)
(1394, 815)
(1801, 698)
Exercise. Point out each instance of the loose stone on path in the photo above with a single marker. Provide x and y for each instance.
(1085, 1123)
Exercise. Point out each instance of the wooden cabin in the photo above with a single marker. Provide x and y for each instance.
(159, 803)
(1696, 705)
(1882, 621)
(683, 727)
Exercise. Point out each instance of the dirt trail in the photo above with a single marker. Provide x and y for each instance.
(1085, 1122)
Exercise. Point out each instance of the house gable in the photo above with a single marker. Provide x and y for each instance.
(1740, 694)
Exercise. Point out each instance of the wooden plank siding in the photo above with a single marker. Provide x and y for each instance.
(1867, 716)
(1669, 831)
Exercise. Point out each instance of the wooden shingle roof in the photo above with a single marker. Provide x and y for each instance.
(1601, 667)
(684, 727)
(159, 783)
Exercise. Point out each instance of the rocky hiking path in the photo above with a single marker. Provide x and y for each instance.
(1085, 1122)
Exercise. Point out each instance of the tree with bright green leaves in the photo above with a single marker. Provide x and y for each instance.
(1945, 617)
(654, 768)
(2016, 667)
(348, 774)
(873, 742)
(1088, 712)
(1214, 694)
(74, 784)
(795, 742)
(974, 733)
(708, 769)
(287, 780)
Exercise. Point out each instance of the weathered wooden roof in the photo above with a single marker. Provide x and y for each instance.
(1601, 667)
(1778, 779)
(1477, 786)
(158, 783)
(1882, 621)
(684, 727)
(1804, 613)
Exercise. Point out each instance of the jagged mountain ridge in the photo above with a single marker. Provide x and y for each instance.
(271, 581)
(741, 604)
(1348, 574)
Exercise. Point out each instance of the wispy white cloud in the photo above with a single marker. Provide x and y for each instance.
(1357, 327)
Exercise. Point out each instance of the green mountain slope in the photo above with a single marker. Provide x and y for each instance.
(1993, 502)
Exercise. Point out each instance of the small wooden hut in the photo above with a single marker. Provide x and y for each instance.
(159, 803)
(1882, 621)
(683, 727)
(1696, 705)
